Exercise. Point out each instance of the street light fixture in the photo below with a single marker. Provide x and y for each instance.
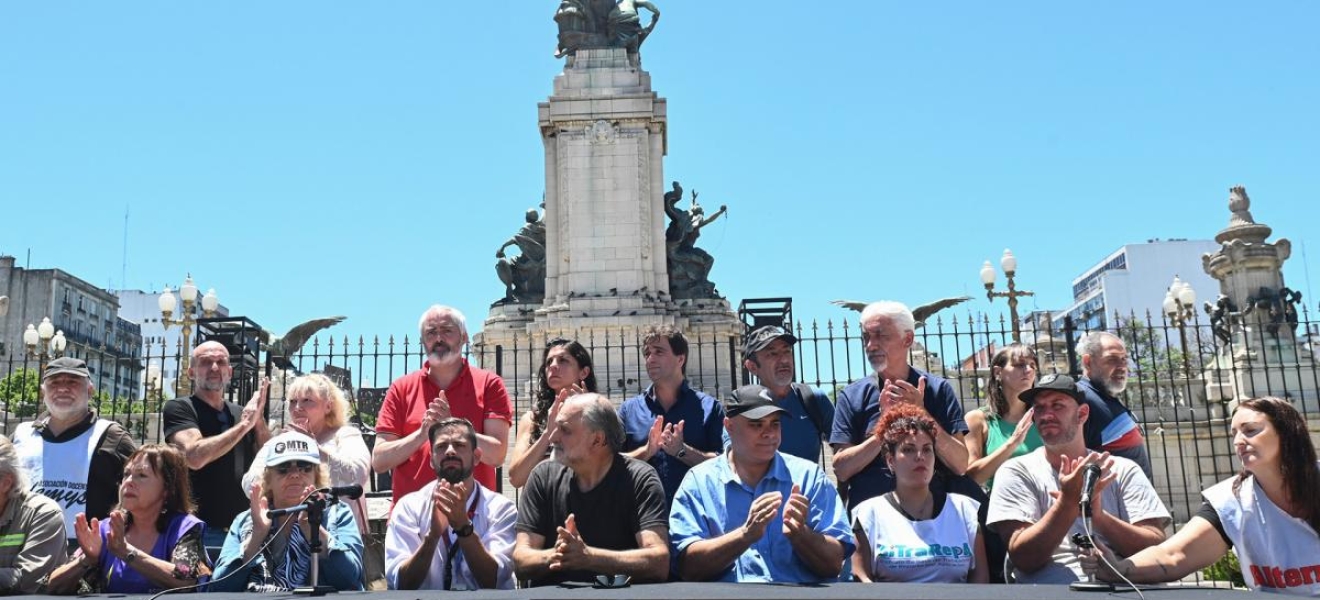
(167, 303)
(1180, 307)
(1009, 264)
(43, 341)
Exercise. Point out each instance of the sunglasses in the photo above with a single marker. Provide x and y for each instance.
(305, 468)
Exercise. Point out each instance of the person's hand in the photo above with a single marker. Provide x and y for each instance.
(571, 552)
(255, 406)
(763, 510)
(671, 439)
(437, 411)
(117, 539)
(299, 426)
(258, 505)
(439, 518)
(450, 498)
(1100, 562)
(898, 391)
(89, 536)
(1073, 470)
(655, 437)
(1023, 428)
(796, 511)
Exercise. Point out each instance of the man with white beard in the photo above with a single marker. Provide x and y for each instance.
(70, 455)
(446, 386)
(1111, 426)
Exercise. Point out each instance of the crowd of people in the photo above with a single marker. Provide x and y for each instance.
(1049, 482)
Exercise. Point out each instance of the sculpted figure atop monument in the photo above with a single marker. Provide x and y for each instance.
(603, 24)
(689, 266)
(524, 275)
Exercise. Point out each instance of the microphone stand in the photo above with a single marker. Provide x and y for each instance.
(1085, 542)
(315, 508)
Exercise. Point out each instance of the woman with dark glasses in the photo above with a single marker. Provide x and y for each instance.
(265, 554)
(565, 371)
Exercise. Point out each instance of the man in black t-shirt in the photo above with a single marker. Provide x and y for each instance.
(218, 438)
(592, 511)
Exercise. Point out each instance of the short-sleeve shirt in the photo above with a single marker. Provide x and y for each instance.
(703, 428)
(936, 550)
(1022, 494)
(1278, 552)
(1112, 428)
(713, 501)
(217, 486)
(609, 516)
(476, 395)
(857, 410)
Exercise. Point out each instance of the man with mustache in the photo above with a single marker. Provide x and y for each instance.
(808, 414)
(218, 438)
(446, 386)
(1036, 505)
(70, 455)
(888, 331)
(452, 534)
(1111, 427)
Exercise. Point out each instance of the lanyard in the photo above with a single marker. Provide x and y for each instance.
(453, 550)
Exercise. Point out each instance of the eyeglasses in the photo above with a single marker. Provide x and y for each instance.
(305, 468)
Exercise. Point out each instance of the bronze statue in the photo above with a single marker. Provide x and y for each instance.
(603, 24)
(524, 275)
(689, 266)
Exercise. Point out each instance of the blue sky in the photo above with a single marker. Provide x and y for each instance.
(314, 158)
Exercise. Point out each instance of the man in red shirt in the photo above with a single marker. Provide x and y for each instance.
(446, 386)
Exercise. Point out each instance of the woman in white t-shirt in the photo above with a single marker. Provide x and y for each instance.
(912, 534)
(1269, 514)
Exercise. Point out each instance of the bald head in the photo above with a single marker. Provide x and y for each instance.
(210, 369)
(598, 415)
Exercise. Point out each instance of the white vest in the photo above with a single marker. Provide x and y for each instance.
(938, 550)
(1278, 552)
(59, 471)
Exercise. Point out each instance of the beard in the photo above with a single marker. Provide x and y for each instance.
(65, 413)
(454, 473)
(1112, 386)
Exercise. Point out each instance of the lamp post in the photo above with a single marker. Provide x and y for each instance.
(1009, 263)
(167, 303)
(44, 342)
(1180, 307)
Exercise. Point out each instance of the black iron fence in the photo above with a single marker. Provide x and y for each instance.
(1183, 382)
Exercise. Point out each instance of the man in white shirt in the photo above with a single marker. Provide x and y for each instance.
(453, 534)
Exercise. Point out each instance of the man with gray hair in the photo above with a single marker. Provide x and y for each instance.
(446, 386)
(70, 454)
(1111, 426)
(32, 541)
(888, 331)
(592, 511)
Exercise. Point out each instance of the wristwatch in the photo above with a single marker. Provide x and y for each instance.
(131, 556)
(682, 451)
(464, 531)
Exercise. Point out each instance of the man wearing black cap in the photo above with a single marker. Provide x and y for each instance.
(70, 455)
(1036, 504)
(808, 414)
(735, 516)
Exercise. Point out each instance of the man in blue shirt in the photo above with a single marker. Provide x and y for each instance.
(808, 414)
(670, 426)
(888, 330)
(756, 514)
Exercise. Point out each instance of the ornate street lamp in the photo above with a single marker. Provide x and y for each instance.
(44, 342)
(1180, 307)
(167, 303)
(1009, 263)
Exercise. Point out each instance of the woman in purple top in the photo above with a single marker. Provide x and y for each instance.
(151, 540)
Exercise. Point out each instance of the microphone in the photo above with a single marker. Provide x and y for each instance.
(279, 512)
(1089, 479)
(353, 492)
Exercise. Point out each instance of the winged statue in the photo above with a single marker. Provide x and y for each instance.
(920, 313)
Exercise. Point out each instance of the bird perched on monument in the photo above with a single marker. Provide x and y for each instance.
(920, 314)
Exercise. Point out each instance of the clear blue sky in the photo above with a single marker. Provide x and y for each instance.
(314, 158)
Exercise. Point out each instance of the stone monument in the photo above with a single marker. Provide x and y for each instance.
(609, 261)
(1255, 316)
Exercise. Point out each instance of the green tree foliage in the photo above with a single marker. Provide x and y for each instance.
(20, 393)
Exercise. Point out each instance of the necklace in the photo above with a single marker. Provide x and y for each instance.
(922, 512)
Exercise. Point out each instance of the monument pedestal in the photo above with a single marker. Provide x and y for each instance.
(604, 133)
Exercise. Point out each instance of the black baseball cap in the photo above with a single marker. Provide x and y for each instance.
(1053, 383)
(751, 401)
(66, 364)
(761, 337)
